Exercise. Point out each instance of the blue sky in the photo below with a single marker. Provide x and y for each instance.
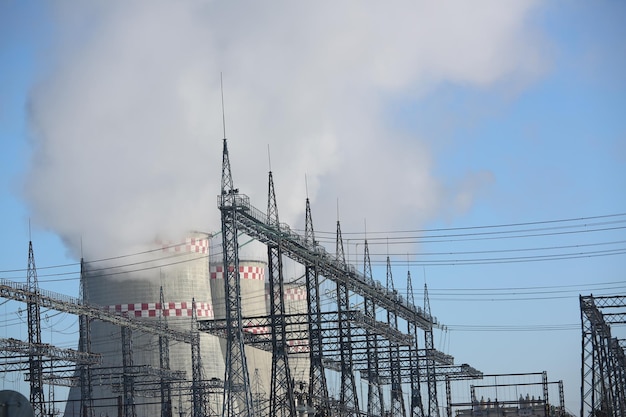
(416, 120)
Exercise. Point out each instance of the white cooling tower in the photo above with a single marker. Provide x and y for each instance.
(182, 270)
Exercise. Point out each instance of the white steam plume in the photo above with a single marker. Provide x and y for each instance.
(128, 123)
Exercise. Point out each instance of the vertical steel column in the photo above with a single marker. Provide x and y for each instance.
(561, 400)
(375, 405)
(282, 399)
(348, 399)
(449, 397)
(237, 392)
(84, 345)
(546, 401)
(417, 407)
(318, 388)
(164, 362)
(35, 360)
(197, 384)
(397, 399)
(128, 379)
(433, 404)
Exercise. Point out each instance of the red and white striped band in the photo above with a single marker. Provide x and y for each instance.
(294, 294)
(181, 309)
(245, 272)
(190, 245)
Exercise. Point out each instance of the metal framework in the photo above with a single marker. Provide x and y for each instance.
(35, 359)
(433, 405)
(416, 406)
(164, 362)
(318, 388)
(348, 399)
(397, 400)
(603, 369)
(375, 400)
(238, 399)
(338, 340)
(84, 345)
(282, 399)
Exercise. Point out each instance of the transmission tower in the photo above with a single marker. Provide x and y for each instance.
(237, 392)
(318, 388)
(35, 359)
(397, 400)
(374, 388)
(282, 399)
(417, 407)
(348, 399)
(84, 345)
(433, 405)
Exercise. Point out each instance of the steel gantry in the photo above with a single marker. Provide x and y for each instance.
(340, 340)
(603, 369)
(85, 374)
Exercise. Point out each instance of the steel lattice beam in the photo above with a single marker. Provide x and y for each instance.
(603, 370)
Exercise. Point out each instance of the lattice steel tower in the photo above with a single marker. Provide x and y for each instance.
(397, 400)
(318, 388)
(349, 401)
(433, 404)
(282, 400)
(237, 391)
(35, 358)
(417, 407)
(374, 388)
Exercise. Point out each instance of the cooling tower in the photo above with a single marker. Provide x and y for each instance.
(182, 270)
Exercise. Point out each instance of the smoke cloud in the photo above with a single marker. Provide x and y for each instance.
(128, 122)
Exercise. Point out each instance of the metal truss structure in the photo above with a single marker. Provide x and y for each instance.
(375, 338)
(47, 364)
(603, 369)
(347, 340)
(508, 405)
